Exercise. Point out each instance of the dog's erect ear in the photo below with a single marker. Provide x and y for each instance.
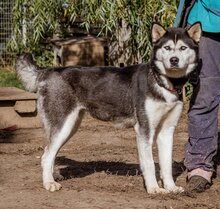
(195, 31)
(157, 32)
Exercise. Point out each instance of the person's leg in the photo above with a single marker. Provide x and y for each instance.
(203, 117)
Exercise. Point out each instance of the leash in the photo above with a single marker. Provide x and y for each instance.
(179, 14)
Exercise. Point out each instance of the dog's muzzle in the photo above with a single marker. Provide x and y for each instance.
(174, 61)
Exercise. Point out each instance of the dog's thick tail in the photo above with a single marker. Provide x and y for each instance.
(27, 72)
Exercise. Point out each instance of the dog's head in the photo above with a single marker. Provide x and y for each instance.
(175, 50)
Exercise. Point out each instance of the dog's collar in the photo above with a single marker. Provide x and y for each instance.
(175, 90)
(177, 83)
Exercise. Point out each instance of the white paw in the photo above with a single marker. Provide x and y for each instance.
(157, 190)
(52, 186)
(175, 189)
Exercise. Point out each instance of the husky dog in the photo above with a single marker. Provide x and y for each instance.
(144, 93)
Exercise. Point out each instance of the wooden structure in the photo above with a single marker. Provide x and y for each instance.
(18, 109)
(85, 51)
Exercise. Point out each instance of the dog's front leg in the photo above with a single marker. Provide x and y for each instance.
(144, 143)
(165, 147)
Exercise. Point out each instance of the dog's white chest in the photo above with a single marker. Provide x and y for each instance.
(156, 110)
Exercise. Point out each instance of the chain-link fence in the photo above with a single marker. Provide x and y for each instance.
(6, 6)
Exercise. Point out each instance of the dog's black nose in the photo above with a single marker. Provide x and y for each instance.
(174, 61)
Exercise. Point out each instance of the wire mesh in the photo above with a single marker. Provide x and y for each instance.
(6, 6)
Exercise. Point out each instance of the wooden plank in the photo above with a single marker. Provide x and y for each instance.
(12, 93)
(26, 106)
(9, 118)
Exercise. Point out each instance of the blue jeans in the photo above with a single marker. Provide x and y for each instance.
(203, 112)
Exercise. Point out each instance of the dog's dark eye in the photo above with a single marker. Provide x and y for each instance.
(183, 48)
(167, 48)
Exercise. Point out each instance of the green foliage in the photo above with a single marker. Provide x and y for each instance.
(43, 56)
(36, 20)
(8, 79)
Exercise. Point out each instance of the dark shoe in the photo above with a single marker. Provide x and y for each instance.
(197, 184)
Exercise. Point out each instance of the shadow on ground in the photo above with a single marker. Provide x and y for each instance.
(76, 169)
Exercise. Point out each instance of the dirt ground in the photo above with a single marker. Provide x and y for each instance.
(100, 167)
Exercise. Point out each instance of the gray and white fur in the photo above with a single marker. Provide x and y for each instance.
(144, 94)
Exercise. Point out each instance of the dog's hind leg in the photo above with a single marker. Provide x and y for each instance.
(58, 138)
(165, 147)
